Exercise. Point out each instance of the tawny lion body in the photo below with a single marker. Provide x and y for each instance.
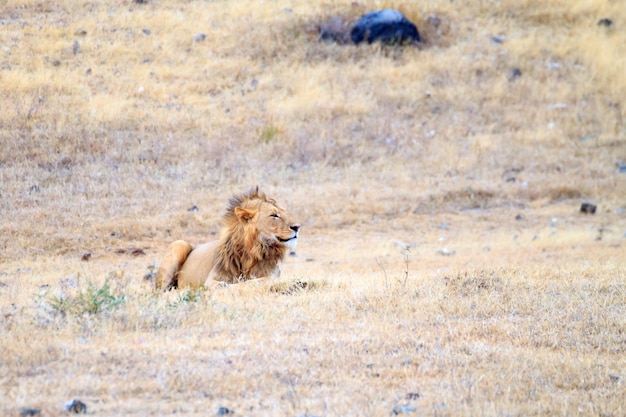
(257, 234)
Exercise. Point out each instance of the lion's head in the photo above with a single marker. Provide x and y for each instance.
(257, 235)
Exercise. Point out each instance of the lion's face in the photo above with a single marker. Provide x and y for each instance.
(271, 223)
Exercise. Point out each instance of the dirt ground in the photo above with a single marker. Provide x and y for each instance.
(444, 266)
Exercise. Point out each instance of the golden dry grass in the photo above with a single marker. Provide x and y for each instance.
(508, 302)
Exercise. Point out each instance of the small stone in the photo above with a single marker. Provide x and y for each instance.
(605, 22)
(223, 411)
(446, 252)
(413, 396)
(334, 30)
(146, 31)
(193, 209)
(30, 412)
(621, 168)
(86, 256)
(515, 74)
(498, 38)
(199, 37)
(76, 406)
(403, 409)
(588, 208)
(519, 217)
(80, 32)
(137, 252)
(75, 47)
(56, 63)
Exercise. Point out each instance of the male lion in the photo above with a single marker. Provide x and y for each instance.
(256, 235)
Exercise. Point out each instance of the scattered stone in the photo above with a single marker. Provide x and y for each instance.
(80, 32)
(387, 26)
(193, 209)
(199, 37)
(614, 378)
(223, 411)
(605, 22)
(403, 409)
(146, 31)
(446, 252)
(75, 47)
(335, 30)
(621, 168)
(515, 74)
(434, 20)
(86, 256)
(413, 396)
(141, 1)
(76, 406)
(88, 72)
(137, 252)
(56, 63)
(519, 217)
(30, 412)
(588, 208)
(498, 38)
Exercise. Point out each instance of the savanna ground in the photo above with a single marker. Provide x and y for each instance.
(448, 269)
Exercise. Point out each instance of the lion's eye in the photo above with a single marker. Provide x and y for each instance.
(275, 216)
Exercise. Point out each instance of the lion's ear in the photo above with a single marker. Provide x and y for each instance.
(245, 215)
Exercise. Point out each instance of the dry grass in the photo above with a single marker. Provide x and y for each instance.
(114, 122)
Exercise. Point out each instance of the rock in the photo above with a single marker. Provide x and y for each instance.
(387, 26)
(588, 208)
(76, 406)
(223, 411)
(605, 22)
(621, 168)
(86, 256)
(334, 30)
(402, 409)
(193, 209)
(446, 252)
(515, 74)
(75, 47)
(199, 37)
(30, 412)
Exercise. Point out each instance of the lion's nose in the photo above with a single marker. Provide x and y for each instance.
(295, 227)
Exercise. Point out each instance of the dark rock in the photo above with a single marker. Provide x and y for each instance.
(30, 412)
(199, 37)
(413, 396)
(76, 406)
(335, 30)
(605, 22)
(223, 411)
(519, 217)
(515, 74)
(86, 256)
(387, 26)
(588, 208)
(146, 31)
(621, 168)
(193, 209)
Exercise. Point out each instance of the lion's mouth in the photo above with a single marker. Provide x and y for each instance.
(280, 239)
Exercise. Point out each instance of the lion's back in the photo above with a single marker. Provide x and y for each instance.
(198, 265)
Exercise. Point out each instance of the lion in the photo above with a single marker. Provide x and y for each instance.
(256, 235)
